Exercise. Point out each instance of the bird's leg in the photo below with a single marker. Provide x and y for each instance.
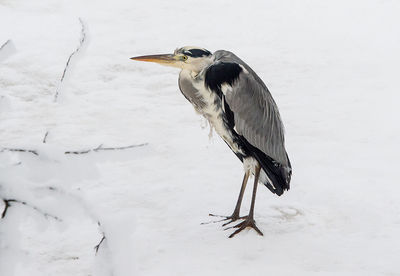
(236, 213)
(249, 221)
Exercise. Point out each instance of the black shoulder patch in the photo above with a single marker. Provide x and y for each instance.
(223, 72)
(197, 53)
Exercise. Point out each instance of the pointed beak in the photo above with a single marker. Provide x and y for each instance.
(167, 59)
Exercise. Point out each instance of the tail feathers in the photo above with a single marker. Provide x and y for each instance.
(274, 176)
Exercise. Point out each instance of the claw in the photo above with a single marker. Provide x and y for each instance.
(247, 223)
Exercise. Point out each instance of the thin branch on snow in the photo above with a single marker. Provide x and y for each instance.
(6, 50)
(20, 150)
(5, 44)
(100, 148)
(6, 206)
(26, 150)
(45, 137)
(81, 41)
(96, 248)
(7, 203)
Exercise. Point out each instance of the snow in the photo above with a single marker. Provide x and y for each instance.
(332, 67)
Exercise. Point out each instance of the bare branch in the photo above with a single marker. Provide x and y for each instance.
(100, 148)
(7, 49)
(6, 205)
(8, 202)
(45, 137)
(20, 150)
(96, 248)
(5, 44)
(81, 41)
(97, 149)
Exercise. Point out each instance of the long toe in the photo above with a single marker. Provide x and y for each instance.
(243, 225)
(233, 219)
(230, 219)
(236, 226)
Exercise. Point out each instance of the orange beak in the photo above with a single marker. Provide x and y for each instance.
(167, 59)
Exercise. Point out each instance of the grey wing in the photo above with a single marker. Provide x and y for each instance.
(256, 114)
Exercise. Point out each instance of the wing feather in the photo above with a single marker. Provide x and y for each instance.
(256, 115)
(251, 113)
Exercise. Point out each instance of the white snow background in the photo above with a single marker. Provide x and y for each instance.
(333, 69)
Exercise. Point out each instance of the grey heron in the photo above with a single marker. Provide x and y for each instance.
(238, 105)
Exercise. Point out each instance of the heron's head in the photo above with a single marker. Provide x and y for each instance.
(187, 58)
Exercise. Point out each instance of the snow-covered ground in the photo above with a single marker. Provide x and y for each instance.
(333, 68)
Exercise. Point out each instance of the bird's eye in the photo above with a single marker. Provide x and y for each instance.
(184, 58)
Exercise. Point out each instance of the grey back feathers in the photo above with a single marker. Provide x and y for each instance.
(256, 115)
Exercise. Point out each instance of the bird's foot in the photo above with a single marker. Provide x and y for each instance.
(248, 222)
(231, 218)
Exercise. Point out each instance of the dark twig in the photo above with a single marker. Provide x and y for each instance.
(5, 44)
(45, 137)
(20, 150)
(100, 148)
(96, 248)
(7, 205)
(81, 41)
